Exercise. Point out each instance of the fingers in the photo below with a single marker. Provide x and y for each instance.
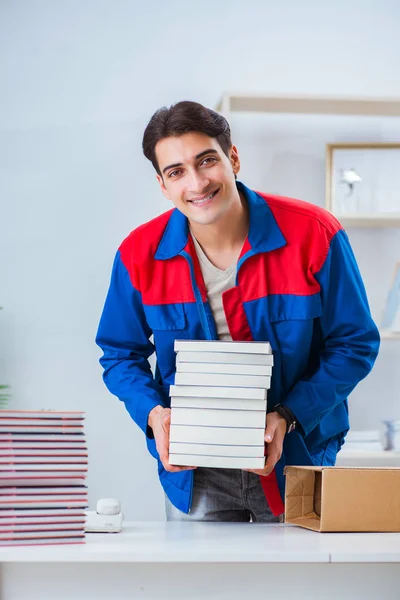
(270, 464)
(269, 435)
(163, 441)
(270, 431)
(274, 454)
(267, 470)
(166, 421)
(175, 468)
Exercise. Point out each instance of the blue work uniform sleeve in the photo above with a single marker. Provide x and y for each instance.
(124, 337)
(350, 338)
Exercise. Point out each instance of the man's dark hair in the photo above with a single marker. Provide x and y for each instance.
(181, 118)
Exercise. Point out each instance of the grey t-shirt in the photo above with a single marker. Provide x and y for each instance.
(216, 281)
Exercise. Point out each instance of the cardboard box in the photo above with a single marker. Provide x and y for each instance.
(343, 498)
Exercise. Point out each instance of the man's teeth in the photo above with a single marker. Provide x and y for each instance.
(204, 199)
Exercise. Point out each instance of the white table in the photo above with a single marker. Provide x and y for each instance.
(367, 458)
(186, 561)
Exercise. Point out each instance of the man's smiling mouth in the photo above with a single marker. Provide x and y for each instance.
(205, 200)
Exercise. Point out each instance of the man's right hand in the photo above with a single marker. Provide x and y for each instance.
(160, 422)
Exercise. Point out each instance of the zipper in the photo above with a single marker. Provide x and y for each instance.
(241, 261)
(203, 316)
(206, 328)
(277, 381)
(199, 300)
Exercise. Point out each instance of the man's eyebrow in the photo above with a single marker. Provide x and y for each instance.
(203, 153)
(209, 151)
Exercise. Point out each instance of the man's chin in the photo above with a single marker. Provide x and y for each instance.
(204, 220)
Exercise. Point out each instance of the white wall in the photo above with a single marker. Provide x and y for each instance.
(79, 81)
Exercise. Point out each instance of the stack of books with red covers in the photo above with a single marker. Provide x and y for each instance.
(219, 404)
(43, 468)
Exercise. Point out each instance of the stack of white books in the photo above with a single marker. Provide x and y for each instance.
(43, 468)
(392, 435)
(219, 404)
(396, 436)
(363, 441)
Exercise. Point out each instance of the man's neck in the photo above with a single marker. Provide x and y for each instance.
(229, 232)
(223, 240)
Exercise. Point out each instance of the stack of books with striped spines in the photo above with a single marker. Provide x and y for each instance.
(396, 436)
(219, 404)
(43, 468)
(363, 441)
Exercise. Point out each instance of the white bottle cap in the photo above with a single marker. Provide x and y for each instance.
(108, 506)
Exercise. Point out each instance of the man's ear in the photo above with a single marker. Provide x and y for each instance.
(162, 186)
(234, 158)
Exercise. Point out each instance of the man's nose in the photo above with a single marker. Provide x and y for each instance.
(198, 184)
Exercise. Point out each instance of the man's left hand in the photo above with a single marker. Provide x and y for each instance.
(274, 435)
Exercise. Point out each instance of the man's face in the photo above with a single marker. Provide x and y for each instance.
(197, 176)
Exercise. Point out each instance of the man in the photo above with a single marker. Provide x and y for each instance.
(231, 263)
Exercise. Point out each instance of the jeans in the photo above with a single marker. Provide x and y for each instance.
(225, 495)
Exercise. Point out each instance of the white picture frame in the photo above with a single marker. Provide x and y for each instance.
(363, 180)
(391, 314)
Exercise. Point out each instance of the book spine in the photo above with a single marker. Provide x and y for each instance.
(218, 418)
(213, 379)
(231, 436)
(216, 346)
(221, 403)
(223, 369)
(218, 392)
(221, 462)
(216, 450)
(225, 358)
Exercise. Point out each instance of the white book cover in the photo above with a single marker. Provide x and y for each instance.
(218, 418)
(216, 450)
(225, 358)
(234, 436)
(216, 462)
(218, 392)
(218, 346)
(41, 414)
(221, 368)
(222, 403)
(213, 379)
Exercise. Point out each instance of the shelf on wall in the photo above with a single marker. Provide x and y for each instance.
(385, 107)
(323, 105)
(390, 335)
(326, 105)
(368, 220)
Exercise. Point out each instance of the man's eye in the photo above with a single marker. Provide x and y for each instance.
(174, 173)
(209, 158)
